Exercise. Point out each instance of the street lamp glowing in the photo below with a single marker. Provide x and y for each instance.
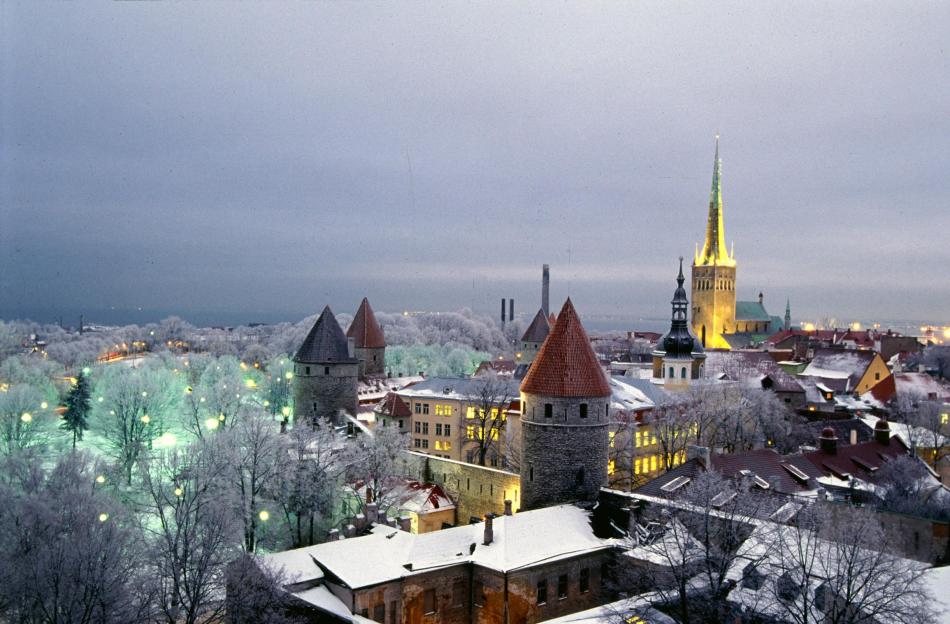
(144, 393)
(100, 479)
(167, 439)
(221, 417)
(266, 403)
(179, 491)
(101, 399)
(285, 410)
(103, 517)
(211, 423)
(264, 515)
(289, 375)
(44, 405)
(26, 417)
(146, 419)
(86, 370)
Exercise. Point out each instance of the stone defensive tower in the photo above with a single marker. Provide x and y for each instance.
(714, 274)
(564, 424)
(325, 373)
(369, 344)
(678, 358)
(534, 337)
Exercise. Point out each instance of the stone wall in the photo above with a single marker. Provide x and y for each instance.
(372, 361)
(476, 490)
(327, 389)
(563, 458)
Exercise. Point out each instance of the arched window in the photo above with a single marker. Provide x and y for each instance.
(683, 373)
(672, 374)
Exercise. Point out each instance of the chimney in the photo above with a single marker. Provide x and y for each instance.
(333, 535)
(372, 513)
(698, 452)
(369, 494)
(360, 522)
(80, 324)
(350, 346)
(828, 441)
(507, 507)
(882, 432)
(489, 533)
(545, 288)
(511, 309)
(502, 311)
(854, 437)
(349, 530)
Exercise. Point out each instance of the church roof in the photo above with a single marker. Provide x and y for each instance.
(325, 343)
(751, 311)
(714, 247)
(364, 330)
(566, 365)
(538, 330)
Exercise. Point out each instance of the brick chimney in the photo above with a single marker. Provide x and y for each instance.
(828, 441)
(489, 532)
(882, 432)
(372, 513)
(854, 437)
(699, 452)
(507, 507)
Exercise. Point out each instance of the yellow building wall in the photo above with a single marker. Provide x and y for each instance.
(876, 372)
(713, 302)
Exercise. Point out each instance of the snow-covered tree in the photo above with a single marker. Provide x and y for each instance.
(78, 405)
(26, 422)
(484, 426)
(376, 463)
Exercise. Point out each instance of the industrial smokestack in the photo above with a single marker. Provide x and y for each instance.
(502, 311)
(80, 324)
(511, 309)
(545, 288)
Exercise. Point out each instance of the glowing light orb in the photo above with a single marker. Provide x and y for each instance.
(26, 417)
(179, 491)
(44, 405)
(100, 479)
(221, 417)
(264, 515)
(167, 439)
(211, 423)
(103, 517)
(146, 419)
(285, 411)
(289, 375)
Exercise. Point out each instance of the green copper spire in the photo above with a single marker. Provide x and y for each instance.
(714, 248)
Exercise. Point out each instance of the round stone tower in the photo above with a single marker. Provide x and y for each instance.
(565, 399)
(325, 373)
(369, 344)
(534, 337)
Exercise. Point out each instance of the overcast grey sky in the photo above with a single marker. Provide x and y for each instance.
(259, 161)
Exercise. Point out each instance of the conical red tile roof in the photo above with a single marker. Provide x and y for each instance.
(364, 330)
(566, 365)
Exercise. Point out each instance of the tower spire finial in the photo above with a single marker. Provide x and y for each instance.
(714, 247)
(679, 278)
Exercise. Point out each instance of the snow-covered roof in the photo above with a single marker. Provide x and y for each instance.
(459, 389)
(614, 612)
(295, 566)
(322, 598)
(410, 495)
(937, 581)
(521, 540)
(626, 397)
(921, 384)
(909, 434)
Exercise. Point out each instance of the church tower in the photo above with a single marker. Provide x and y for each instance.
(788, 315)
(565, 398)
(714, 274)
(678, 358)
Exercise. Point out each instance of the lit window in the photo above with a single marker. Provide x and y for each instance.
(611, 467)
(470, 413)
(470, 432)
(446, 446)
(638, 439)
(653, 463)
(636, 466)
(612, 435)
(438, 445)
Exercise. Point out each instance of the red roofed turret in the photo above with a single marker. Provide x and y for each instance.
(369, 344)
(566, 365)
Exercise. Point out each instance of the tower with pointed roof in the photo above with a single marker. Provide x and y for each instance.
(679, 357)
(788, 315)
(565, 400)
(714, 273)
(325, 373)
(369, 344)
(534, 337)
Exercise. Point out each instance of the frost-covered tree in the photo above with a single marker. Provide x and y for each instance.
(256, 457)
(134, 412)
(25, 420)
(376, 463)
(308, 485)
(192, 531)
(68, 552)
(78, 405)
(485, 424)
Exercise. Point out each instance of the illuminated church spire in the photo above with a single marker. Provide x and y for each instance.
(714, 248)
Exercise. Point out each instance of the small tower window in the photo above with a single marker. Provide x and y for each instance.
(326, 370)
(683, 373)
(583, 410)
(308, 370)
(530, 472)
(548, 410)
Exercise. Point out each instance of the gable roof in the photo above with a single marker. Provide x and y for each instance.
(325, 343)
(750, 366)
(364, 330)
(538, 330)
(751, 311)
(566, 365)
(393, 405)
(836, 363)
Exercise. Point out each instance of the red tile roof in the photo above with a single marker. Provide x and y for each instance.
(365, 331)
(566, 365)
(393, 405)
(552, 319)
(885, 390)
